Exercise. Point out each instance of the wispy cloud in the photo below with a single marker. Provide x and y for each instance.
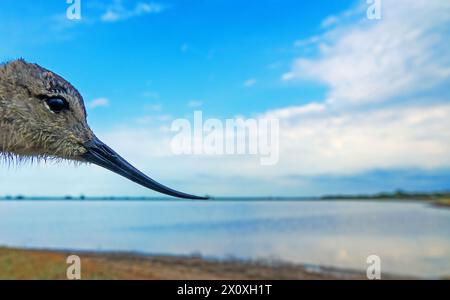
(306, 42)
(62, 29)
(117, 11)
(375, 61)
(250, 82)
(195, 103)
(385, 107)
(99, 102)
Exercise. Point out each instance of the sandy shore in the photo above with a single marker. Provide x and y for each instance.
(45, 264)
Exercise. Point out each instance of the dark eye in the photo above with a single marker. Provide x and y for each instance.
(57, 104)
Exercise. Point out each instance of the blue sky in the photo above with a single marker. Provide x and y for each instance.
(363, 104)
(190, 51)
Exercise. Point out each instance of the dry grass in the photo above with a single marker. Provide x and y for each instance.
(41, 264)
(443, 201)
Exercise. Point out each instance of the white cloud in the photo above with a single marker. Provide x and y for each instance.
(117, 11)
(99, 102)
(317, 140)
(288, 76)
(110, 16)
(375, 61)
(314, 140)
(304, 110)
(250, 82)
(306, 42)
(330, 21)
(397, 65)
(195, 103)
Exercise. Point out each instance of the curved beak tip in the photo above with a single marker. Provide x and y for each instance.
(100, 154)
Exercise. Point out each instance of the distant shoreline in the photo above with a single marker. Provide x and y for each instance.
(441, 199)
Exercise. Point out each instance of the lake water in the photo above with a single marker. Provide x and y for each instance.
(410, 238)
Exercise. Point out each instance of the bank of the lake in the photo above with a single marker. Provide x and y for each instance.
(47, 264)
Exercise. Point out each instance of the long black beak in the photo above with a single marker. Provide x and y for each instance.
(100, 154)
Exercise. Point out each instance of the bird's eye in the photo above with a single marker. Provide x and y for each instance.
(57, 104)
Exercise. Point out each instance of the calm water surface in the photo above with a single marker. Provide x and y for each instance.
(411, 238)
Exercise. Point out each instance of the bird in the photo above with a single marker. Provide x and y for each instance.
(43, 116)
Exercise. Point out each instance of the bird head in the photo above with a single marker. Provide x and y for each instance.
(42, 115)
